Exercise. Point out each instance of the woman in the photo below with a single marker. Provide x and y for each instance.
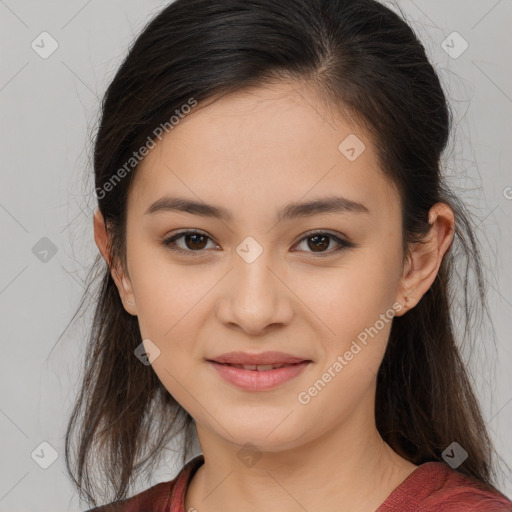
(279, 238)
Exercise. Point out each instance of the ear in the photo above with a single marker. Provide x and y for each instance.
(426, 257)
(121, 279)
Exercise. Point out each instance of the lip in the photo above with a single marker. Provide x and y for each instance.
(261, 358)
(258, 380)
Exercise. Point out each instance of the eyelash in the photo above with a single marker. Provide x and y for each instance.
(169, 243)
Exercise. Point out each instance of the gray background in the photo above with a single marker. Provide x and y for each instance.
(49, 109)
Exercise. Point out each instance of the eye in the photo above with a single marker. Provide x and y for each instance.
(194, 241)
(318, 242)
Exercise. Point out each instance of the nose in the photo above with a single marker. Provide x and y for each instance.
(255, 297)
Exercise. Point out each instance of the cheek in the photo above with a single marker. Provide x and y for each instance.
(355, 307)
(172, 301)
(167, 294)
(353, 314)
(345, 300)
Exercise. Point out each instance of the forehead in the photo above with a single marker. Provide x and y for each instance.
(264, 145)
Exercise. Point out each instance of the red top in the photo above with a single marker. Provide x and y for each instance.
(431, 487)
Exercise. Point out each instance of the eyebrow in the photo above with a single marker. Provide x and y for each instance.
(290, 211)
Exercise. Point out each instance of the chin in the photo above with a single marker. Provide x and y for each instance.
(263, 436)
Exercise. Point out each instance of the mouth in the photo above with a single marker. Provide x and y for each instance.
(258, 367)
(263, 359)
(258, 377)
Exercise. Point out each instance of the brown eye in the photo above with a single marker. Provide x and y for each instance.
(319, 242)
(195, 241)
(191, 242)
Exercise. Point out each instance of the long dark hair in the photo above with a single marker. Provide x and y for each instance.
(361, 56)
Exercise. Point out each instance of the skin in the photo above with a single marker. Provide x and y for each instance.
(253, 152)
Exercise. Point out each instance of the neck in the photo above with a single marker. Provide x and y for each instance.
(349, 468)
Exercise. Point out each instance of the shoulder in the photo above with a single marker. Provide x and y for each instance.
(155, 498)
(163, 497)
(435, 486)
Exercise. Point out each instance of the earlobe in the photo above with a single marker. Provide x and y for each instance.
(426, 256)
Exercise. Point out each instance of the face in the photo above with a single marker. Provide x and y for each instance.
(317, 284)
